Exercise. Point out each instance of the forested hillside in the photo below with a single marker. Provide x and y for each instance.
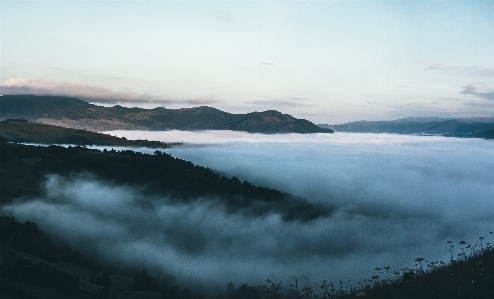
(23, 169)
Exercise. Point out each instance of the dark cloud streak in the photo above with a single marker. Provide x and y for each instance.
(476, 89)
(91, 93)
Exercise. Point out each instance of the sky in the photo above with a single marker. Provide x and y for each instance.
(325, 61)
(394, 198)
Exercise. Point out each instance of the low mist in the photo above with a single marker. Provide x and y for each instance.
(394, 198)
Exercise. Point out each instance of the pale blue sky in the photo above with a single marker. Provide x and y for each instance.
(327, 61)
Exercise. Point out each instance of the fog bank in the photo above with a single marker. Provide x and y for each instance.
(395, 198)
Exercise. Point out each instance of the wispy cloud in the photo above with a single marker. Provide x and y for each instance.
(90, 92)
(477, 89)
(273, 63)
(439, 67)
(470, 70)
(483, 72)
(280, 103)
(203, 99)
(224, 17)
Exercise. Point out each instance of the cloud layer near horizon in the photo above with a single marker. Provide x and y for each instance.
(396, 198)
(477, 89)
(89, 92)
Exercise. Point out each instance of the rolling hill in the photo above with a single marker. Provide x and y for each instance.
(75, 113)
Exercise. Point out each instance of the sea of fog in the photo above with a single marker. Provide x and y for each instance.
(395, 198)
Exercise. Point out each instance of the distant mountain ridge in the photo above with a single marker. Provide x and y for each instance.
(465, 127)
(75, 113)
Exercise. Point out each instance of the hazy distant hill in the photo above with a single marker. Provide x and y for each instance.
(75, 113)
(417, 125)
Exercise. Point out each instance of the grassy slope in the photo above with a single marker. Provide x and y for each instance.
(30, 132)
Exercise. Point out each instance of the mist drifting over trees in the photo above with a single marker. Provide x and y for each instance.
(392, 199)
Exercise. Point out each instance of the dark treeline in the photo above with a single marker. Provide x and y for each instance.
(27, 237)
(17, 268)
(20, 274)
(17, 238)
(23, 169)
